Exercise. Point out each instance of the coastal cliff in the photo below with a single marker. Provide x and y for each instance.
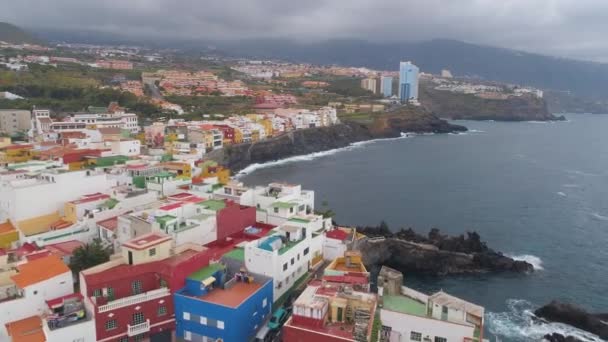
(435, 254)
(575, 316)
(306, 141)
(459, 106)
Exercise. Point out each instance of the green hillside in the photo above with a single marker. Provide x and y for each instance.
(13, 34)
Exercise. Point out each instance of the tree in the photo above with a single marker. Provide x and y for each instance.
(89, 255)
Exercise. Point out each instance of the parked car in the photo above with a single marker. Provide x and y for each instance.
(278, 318)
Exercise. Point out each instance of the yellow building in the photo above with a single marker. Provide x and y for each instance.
(255, 135)
(4, 142)
(180, 169)
(213, 169)
(17, 153)
(267, 127)
(238, 136)
(8, 235)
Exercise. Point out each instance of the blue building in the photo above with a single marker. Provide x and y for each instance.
(386, 83)
(408, 82)
(218, 303)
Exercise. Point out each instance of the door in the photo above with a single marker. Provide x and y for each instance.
(340, 314)
(130, 258)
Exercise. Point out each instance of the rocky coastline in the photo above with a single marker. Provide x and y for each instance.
(306, 141)
(556, 311)
(435, 254)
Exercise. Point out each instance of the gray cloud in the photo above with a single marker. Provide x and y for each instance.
(570, 28)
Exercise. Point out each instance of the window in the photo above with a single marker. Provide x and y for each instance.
(124, 339)
(152, 251)
(440, 339)
(111, 324)
(97, 293)
(291, 210)
(138, 318)
(163, 283)
(203, 320)
(187, 336)
(264, 302)
(415, 336)
(298, 256)
(306, 251)
(285, 267)
(35, 292)
(110, 291)
(220, 325)
(162, 310)
(276, 210)
(292, 260)
(136, 287)
(444, 309)
(186, 316)
(139, 338)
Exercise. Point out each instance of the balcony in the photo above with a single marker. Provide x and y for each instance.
(132, 300)
(137, 329)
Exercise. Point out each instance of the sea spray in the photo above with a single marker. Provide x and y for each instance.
(520, 324)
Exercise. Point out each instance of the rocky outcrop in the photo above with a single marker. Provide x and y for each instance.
(435, 254)
(575, 316)
(555, 337)
(312, 140)
(459, 106)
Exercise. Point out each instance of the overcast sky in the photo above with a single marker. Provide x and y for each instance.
(569, 28)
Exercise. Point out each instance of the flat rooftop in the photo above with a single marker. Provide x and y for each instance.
(404, 305)
(232, 297)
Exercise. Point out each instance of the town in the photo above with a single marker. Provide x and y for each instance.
(114, 233)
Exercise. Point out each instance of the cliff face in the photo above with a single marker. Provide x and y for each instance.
(436, 254)
(312, 140)
(575, 316)
(470, 107)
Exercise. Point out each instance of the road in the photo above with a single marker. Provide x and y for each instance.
(154, 91)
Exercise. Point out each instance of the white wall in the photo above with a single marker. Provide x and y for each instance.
(81, 332)
(404, 324)
(33, 303)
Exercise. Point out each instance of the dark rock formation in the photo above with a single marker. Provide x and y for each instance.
(435, 254)
(555, 337)
(470, 107)
(312, 140)
(575, 316)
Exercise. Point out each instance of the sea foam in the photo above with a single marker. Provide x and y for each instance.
(307, 157)
(533, 260)
(520, 324)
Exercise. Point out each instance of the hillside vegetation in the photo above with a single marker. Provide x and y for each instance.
(12, 34)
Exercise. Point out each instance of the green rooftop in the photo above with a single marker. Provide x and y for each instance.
(97, 110)
(163, 174)
(404, 305)
(205, 272)
(111, 203)
(24, 165)
(236, 254)
(110, 161)
(284, 205)
(163, 220)
(214, 205)
(299, 220)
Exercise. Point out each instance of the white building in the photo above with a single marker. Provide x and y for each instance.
(26, 293)
(126, 147)
(408, 315)
(285, 256)
(47, 192)
(118, 119)
(277, 202)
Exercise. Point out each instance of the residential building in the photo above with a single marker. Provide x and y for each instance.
(131, 296)
(25, 292)
(408, 82)
(348, 270)
(369, 84)
(277, 202)
(387, 86)
(13, 121)
(219, 303)
(285, 255)
(337, 241)
(409, 315)
(330, 312)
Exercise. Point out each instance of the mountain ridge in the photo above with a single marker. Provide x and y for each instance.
(16, 35)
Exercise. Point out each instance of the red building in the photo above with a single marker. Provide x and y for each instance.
(132, 297)
(228, 133)
(233, 219)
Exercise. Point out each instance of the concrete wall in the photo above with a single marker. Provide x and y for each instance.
(402, 325)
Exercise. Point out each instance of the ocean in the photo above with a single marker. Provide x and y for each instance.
(536, 191)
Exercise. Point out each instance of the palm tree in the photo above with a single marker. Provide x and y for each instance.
(89, 255)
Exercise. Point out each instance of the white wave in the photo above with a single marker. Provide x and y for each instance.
(539, 122)
(581, 173)
(533, 260)
(600, 217)
(561, 194)
(475, 131)
(307, 157)
(520, 324)
(571, 185)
